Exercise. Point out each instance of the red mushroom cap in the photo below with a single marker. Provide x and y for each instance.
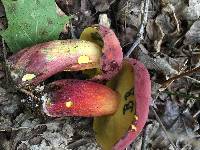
(72, 97)
(112, 54)
(142, 96)
(119, 130)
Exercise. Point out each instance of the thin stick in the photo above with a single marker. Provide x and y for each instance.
(185, 95)
(140, 35)
(145, 138)
(29, 94)
(193, 80)
(78, 143)
(186, 73)
(12, 129)
(19, 128)
(196, 114)
(163, 127)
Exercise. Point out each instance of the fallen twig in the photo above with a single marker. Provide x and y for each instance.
(196, 114)
(78, 143)
(28, 93)
(9, 129)
(193, 80)
(163, 127)
(145, 138)
(186, 73)
(144, 19)
(185, 95)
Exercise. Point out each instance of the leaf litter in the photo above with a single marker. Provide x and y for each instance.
(166, 51)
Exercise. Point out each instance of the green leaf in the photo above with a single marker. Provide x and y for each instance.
(31, 22)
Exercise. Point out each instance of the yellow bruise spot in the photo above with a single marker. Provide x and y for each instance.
(83, 59)
(28, 77)
(133, 128)
(69, 104)
(48, 103)
(136, 117)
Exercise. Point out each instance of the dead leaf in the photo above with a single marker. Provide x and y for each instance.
(193, 35)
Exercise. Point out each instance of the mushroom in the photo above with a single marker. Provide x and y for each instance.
(100, 50)
(112, 55)
(35, 64)
(120, 111)
(119, 130)
(71, 97)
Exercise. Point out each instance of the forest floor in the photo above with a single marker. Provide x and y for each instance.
(169, 48)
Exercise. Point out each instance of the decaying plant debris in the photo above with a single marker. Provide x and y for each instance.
(170, 47)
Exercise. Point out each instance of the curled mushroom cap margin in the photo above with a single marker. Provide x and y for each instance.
(120, 130)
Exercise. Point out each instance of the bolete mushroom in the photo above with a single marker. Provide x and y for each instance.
(73, 97)
(119, 116)
(35, 64)
(100, 50)
(120, 110)
(119, 130)
(112, 55)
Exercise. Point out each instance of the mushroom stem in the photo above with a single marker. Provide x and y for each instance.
(35, 64)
